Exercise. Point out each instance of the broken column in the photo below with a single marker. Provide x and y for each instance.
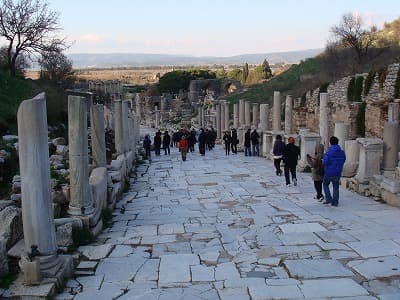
(80, 199)
(200, 112)
(390, 146)
(98, 135)
(255, 114)
(118, 127)
(370, 156)
(288, 114)
(235, 115)
(352, 150)
(393, 112)
(276, 122)
(342, 133)
(247, 114)
(227, 115)
(125, 126)
(37, 211)
(308, 141)
(241, 113)
(222, 105)
(218, 121)
(324, 120)
(264, 117)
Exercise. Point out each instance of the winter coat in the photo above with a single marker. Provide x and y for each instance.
(166, 140)
(183, 144)
(316, 163)
(254, 138)
(157, 140)
(277, 151)
(333, 161)
(247, 139)
(227, 139)
(147, 143)
(235, 140)
(291, 154)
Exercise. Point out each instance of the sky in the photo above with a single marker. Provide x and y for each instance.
(209, 27)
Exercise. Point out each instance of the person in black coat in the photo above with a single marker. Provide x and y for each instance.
(166, 142)
(227, 140)
(247, 143)
(192, 140)
(157, 143)
(255, 142)
(235, 141)
(291, 154)
(202, 142)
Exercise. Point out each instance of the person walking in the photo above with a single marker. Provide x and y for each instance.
(192, 140)
(227, 140)
(247, 143)
(166, 142)
(147, 146)
(317, 170)
(277, 152)
(333, 162)
(255, 143)
(183, 147)
(202, 142)
(157, 143)
(235, 141)
(291, 154)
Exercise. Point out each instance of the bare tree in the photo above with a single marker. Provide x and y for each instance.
(350, 33)
(57, 67)
(29, 27)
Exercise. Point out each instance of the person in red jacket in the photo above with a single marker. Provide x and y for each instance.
(183, 147)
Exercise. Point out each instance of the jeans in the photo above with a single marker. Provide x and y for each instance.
(167, 150)
(256, 150)
(247, 151)
(292, 170)
(334, 198)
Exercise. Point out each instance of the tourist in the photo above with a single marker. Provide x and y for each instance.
(333, 162)
(255, 143)
(227, 141)
(183, 147)
(277, 153)
(192, 140)
(317, 170)
(147, 146)
(235, 141)
(202, 142)
(213, 138)
(157, 143)
(247, 143)
(291, 154)
(166, 142)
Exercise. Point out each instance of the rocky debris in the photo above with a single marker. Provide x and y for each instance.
(3, 257)
(64, 235)
(11, 225)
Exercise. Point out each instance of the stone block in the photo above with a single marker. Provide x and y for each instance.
(391, 185)
(31, 273)
(11, 225)
(390, 198)
(3, 257)
(98, 187)
(64, 235)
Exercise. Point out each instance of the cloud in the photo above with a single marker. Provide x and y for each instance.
(90, 38)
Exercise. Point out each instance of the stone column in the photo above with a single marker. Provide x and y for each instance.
(393, 112)
(222, 105)
(342, 133)
(324, 119)
(241, 113)
(199, 117)
(370, 156)
(80, 197)
(235, 115)
(37, 211)
(138, 107)
(218, 116)
(157, 121)
(118, 127)
(308, 141)
(247, 114)
(289, 114)
(264, 117)
(255, 114)
(125, 126)
(390, 146)
(98, 135)
(352, 150)
(276, 122)
(226, 116)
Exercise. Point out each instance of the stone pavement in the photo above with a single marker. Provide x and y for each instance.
(219, 227)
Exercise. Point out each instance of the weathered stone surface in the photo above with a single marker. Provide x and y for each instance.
(3, 257)
(377, 267)
(304, 227)
(11, 225)
(274, 292)
(369, 249)
(316, 268)
(96, 252)
(175, 269)
(345, 287)
(64, 235)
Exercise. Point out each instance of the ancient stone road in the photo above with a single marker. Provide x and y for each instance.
(218, 227)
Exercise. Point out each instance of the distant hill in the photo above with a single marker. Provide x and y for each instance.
(87, 60)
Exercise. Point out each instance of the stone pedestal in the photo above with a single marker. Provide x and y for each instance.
(268, 143)
(80, 201)
(342, 131)
(118, 127)
(324, 119)
(264, 117)
(308, 141)
(242, 120)
(98, 135)
(227, 116)
(240, 134)
(390, 146)
(218, 116)
(352, 150)
(288, 114)
(247, 114)
(235, 115)
(369, 162)
(255, 115)
(393, 112)
(276, 121)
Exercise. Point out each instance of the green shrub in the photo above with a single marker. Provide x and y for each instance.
(81, 237)
(358, 89)
(303, 100)
(350, 89)
(324, 87)
(369, 80)
(360, 120)
(382, 73)
(106, 217)
(7, 280)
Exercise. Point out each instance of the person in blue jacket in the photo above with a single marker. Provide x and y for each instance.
(333, 162)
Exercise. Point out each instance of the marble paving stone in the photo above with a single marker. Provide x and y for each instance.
(109, 292)
(243, 282)
(87, 265)
(225, 271)
(148, 272)
(334, 287)
(288, 281)
(302, 227)
(209, 258)
(121, 251)
(175, 268)
(375, 248)
(96, 252)
(377, 267)
(317, 268)
(305, 238)
(171, 229)
(91, 281)
(389, 296)
(233, 294)
(274, 292)
(202, 273)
